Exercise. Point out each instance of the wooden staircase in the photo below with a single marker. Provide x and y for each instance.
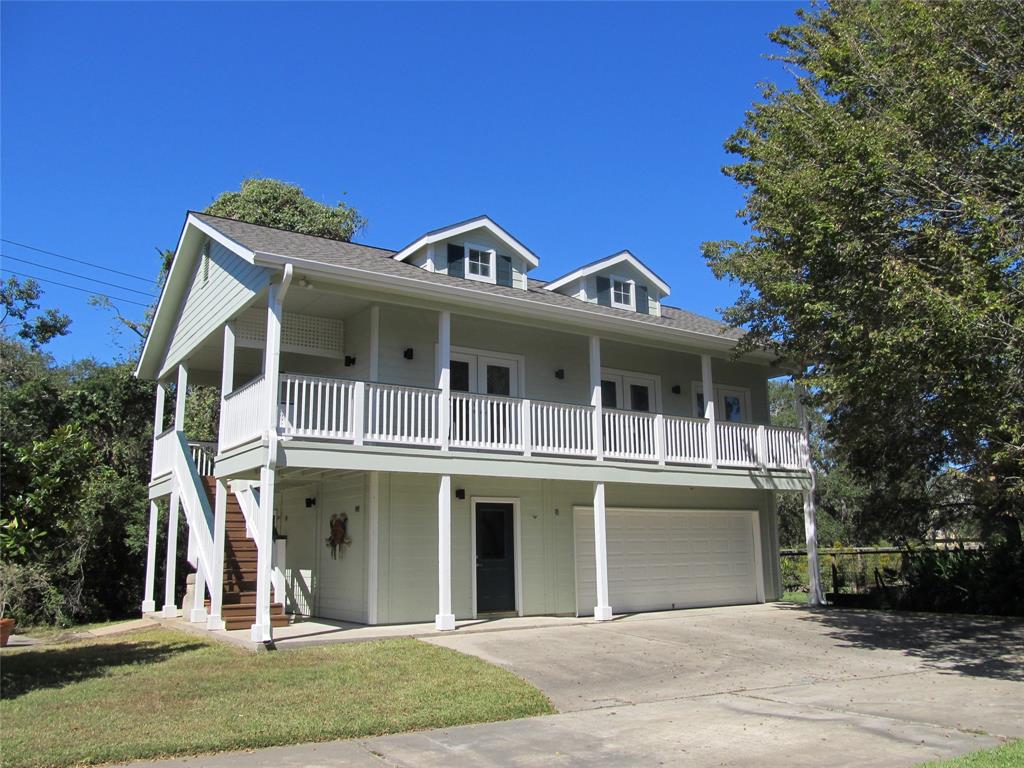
(238, 608)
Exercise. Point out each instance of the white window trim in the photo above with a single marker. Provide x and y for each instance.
(624, 376)
(492, 278)
(516, 542)
(720, 391)
(632, 292)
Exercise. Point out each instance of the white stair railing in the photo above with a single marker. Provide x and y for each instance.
(686, 440)
(248, 495)
(196, 505)
(203, 453)
(486, 422)
(244, 417)
(629, 435)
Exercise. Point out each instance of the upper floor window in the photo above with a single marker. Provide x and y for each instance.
(622, 293)
(479, 264)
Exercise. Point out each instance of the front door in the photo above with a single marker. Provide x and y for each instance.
(495, 557)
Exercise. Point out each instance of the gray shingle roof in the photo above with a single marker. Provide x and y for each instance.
(280, 242)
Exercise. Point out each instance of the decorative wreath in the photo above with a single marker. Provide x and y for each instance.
(339, 533)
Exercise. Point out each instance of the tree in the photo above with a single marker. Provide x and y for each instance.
(274, 203)
(19, 300)
(885, 200)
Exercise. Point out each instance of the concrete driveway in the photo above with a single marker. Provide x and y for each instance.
(765, 685)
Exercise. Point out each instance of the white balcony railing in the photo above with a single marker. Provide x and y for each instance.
(243, 414)
(367, 412)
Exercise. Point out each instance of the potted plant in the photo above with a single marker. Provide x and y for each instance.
(8, 576)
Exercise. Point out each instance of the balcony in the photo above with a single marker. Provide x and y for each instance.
(360, 413)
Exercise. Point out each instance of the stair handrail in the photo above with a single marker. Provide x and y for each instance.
(248, 495)
(195, 504)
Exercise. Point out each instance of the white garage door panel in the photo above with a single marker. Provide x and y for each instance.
(660, 559)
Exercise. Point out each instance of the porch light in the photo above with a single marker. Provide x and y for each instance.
(349, 361)
(408, 353)
(676, 389)
(560, 373)
(305, 283)
(460, 493)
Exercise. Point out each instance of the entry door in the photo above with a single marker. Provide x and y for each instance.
(495, 557)
(497, 376)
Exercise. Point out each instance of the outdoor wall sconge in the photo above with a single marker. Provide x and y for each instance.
(676, 389)
(349, 361)
(560, 373)
(460, 493)
(310, 502)
(408, 353)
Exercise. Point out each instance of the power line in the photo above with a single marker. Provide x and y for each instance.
(79, 261)
(75, 274)
(73, 287)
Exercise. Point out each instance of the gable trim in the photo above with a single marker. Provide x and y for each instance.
(610, 261)
(480, 222)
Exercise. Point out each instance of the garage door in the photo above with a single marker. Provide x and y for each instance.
(663, 559)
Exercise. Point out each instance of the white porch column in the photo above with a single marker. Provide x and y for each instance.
(220, 511)
(372, 544)
(814, 596)
(170, 609)
(595, 396)
(444, 362)
(220, 500)
(158, 412)
(262, 631)
(708, 386)
(179, 398)
(444, 619)
(374, 342)
(602, 611)
(148, 603)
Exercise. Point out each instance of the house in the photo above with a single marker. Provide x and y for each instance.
(433, 434)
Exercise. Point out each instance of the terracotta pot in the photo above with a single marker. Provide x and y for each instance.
(6, 628)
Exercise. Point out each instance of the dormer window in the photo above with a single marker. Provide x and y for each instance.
(479, 264)
(622, 293)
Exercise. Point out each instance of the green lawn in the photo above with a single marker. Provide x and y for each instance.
(155, 693)
(795, 597)
(1009, 755)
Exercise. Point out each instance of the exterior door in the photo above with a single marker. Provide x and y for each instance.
(626, 392)
(497, 376)
(495, 557)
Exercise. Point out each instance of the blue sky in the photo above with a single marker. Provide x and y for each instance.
(583, 129)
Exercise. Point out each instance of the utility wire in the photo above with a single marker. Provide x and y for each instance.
(79, 261)
(75, 274)
(73, 287)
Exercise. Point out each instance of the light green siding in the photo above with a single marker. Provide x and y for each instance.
(218, 290)
(407, 590)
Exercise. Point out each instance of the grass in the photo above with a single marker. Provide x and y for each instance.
(795, 597)
(158, 693)
(1009, 755)
(49, 633)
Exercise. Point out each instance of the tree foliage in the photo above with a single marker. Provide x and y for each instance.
(19, 302)
(275, 203)
(885, 200)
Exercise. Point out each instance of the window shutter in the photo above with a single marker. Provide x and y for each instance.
(604, 291)
(456, 260)
(643, 306)
(505, 270)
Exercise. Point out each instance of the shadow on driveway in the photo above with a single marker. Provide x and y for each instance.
(980, 646)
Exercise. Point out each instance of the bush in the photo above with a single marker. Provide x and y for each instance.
(989, 581)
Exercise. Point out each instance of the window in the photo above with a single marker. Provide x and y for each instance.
(629, 391)
(622, 293)
(731, 403)
(479, 264)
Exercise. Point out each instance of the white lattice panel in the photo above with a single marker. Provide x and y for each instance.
(305, 334)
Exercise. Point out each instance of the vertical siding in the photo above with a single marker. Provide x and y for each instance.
(342, 580)
(231, 283)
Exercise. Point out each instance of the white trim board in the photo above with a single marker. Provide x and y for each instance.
(480, 222)
(610, 261)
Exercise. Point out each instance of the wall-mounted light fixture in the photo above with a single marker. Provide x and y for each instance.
(303, 282)
(460, 493)
(349, 361)
(560, 373)
(676, 389)
(408, 353)
(310, 502)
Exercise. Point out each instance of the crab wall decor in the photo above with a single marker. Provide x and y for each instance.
(339, 533)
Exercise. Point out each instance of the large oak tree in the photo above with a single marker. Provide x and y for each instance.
(885, 204)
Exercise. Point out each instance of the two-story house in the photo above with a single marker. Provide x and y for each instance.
(433, 434)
